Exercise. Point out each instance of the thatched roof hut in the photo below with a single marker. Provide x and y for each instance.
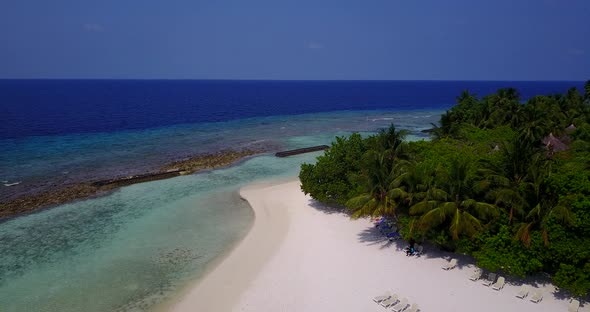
(553, 144)
(570, 128)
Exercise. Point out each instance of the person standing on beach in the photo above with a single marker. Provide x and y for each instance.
(410, 249)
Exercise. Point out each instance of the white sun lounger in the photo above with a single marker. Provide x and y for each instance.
(574, 306)
(402, 305)
(499, 284)
(413, 308)
(476, 275)
(523, 292)
(450, 265)
(537, 296)
(380, 298)
(419, 251)
(491, 279)
(389, 302)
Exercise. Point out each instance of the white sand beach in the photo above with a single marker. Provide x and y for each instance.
(299, 256)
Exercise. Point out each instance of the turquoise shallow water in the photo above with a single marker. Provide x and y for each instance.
(141, 244)
(129, 249)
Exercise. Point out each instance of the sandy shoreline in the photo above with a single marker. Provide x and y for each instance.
(221, 288)
(301, 257)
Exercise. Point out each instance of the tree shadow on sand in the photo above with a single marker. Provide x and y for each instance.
(372, 236)
(327, 209)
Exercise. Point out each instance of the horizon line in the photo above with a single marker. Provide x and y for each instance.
(300, 80)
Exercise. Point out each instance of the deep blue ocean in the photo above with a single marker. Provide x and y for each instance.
(140, 246)
(56, 107)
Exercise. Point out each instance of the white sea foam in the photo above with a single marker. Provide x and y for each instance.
(382, 119)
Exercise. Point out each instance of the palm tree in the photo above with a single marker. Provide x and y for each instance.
(450, 204)
(449, 126)
(571, 105)
(504, 105)
(377, 176)
(466, 104)
(539, 217)
(504, 183)
(391, 142)
(412, 183)
(533, 124)
(542, 210)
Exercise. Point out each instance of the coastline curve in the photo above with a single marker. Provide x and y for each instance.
(220, 289)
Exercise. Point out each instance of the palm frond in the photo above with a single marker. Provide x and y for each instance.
(470, 225)
(449, 208)
(358, 201)
(535, 213)
(523, 233)
(456, 225)
(423, 207)
(483, 210)
(366, 210)
(562, 214)
(398, 193)
(432, 218)
(438, 194)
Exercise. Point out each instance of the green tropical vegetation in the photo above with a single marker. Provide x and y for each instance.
(504, 180)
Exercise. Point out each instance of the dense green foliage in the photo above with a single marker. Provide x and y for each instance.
(505, 181)
(329, 180)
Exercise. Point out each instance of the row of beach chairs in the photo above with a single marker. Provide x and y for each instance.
(499, 283)
(496, 284)
(387, 300)
(524, 291)
(392, 301)
(537, 296)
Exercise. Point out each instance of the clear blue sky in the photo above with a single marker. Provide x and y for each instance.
(303, 39)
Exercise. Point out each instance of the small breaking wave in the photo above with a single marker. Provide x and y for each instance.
(381, 119)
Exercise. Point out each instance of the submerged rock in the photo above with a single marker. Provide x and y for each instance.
(61, 194)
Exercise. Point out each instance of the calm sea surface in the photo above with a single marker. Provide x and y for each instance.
(141, 244)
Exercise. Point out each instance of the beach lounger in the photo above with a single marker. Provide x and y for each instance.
(450, 265)
(499, 284)
(379, 221)
(389, 302)
(393, 236)
(476, 275)
(385, 229)
(380, 298)
(402, 305)
(413, 308)
(491, 279)
(537, 296)
(419, 250)
(574, 306)
(523, 292)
